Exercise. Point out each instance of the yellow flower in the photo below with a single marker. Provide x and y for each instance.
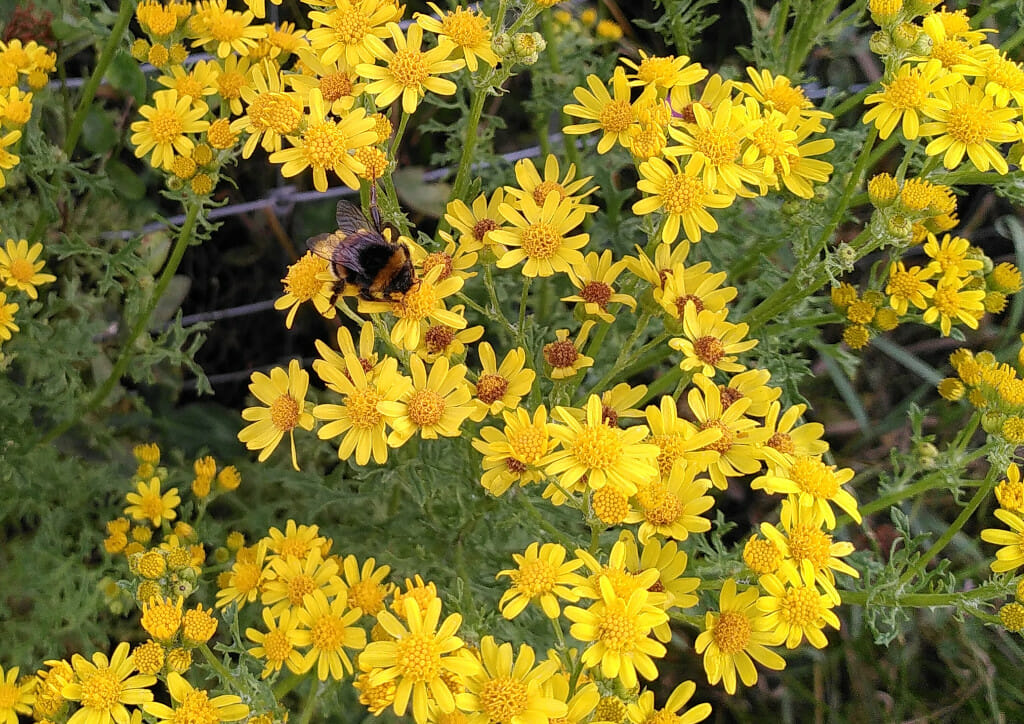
(303, 283)
(564, 355)
(325, 145)
(664, 72)
(777, 93)
(270, 112)
(424, 302)
(739, 450)
(679, 443)
(786, 439)
(284, 394)
(419, 658)
(735, 637)
(351, 30)
(358, 419)
(682, 197)
(1010, 491)
(542, 577)
(463, 28)
(911, 91)
(642, 710)
(952, 301)
(666, 258)
(670, 564)
(1011, 555)
(507, 690)
(611, 113)
(8, 160)
(950, 256)
(539, 235)
(277, 645)
(694, 286)
(164, 127)
(103, 686)
(15, 698)
(752, 385)
(969, 122)
(409, 72)
(193, 704)
(440, 340)
(19, 268)
(365, 585)
(328, 628)
(297, 540)
(517, 453)
(196, 82)
(815, 484)
(500, 387)
(290, 579)
(711, 343)
(232, 78)
(908, 286)
(802, 169)
(346, 348)
(531, 184)
(1003, 78)
(245, 578)
(618, 631)
(796, 611)
(672, 508)
(713, 147)
(222, 31)
(435, 405)
(594, 279)
(476, 224)
(149, 504)
(606, 455)
(337, 83)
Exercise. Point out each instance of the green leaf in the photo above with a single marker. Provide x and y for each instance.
(126, 76)
(171, 300)
(127, 183)
(425, 198)
(98, 132)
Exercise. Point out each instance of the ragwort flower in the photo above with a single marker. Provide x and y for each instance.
(517, 453)
(611, 113)
(164, 127)
(409, 72)
(418, 658)
(326, 144)
(682, 197)
(152, 505)
(606, 455)
(500, 387)
(15, 698)
(328, 628)
(734, 637)
(195, 705)
(21, 269)
(284, 394)
(539, 235)
(465, 29)
(103, 686)
(436, 405)
(970, 122)
(542, 577)
(509, 690)
(1011, 556)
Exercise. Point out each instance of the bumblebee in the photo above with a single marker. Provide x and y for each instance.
(365, 254)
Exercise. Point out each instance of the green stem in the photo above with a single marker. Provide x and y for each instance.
(222, 673)
(476, 109)
(124, 17)
(398, 136)
(523, 298)
(194, 207)
(1013, 41)
(309, 706)
(916, 600)
(556, 625)
(947, 536)
(855, 100)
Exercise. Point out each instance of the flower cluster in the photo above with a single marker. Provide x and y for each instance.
(944, 84)
(992, 387)
(25, 68)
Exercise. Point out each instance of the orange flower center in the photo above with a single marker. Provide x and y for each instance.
(732, 632)
(426, 407)
(409, 68)
(541, 241)
(284, 413)
(490, 388)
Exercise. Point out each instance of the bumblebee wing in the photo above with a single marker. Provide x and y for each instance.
(324, 245)
(350, 218)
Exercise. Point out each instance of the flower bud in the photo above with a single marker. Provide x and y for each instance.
(880, 43)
